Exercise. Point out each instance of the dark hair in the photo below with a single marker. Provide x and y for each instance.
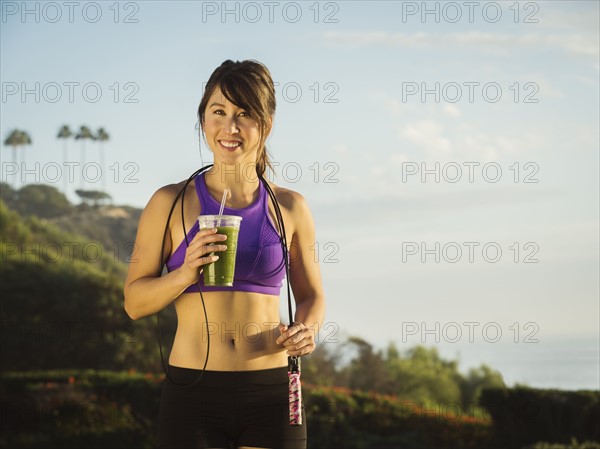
(248, 85)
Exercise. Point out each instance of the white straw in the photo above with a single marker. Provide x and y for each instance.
(223, 201)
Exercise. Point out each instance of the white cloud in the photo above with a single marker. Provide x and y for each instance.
(441, 132)
(399, 158)
(451, 110)
(546, 88)
(567, 19)
(392, 104)
(587, 80)
(340, 148)
(378, 170)
(577, 44)
(467, 142)
(428, 135)
(478, 146)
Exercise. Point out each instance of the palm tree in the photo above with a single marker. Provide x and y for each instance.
(16, 139)
(95, 196)
(102, 136)
(83, 134)
(64, 133)
(25, 140)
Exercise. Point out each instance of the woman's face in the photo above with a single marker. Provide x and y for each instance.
(231, 133)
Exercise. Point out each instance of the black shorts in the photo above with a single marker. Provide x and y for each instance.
(227, 409)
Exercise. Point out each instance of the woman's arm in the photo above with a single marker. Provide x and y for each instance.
(306, 283)
(146, 291)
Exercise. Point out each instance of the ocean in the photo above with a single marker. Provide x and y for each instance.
(569, 363)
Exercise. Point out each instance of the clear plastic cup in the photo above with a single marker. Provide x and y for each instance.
(220, 272)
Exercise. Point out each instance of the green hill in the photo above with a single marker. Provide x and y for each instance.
(112, 226)
(62, 292)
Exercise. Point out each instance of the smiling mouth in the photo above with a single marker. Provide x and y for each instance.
(230, 144)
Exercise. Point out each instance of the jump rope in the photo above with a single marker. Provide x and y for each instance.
(294, 386)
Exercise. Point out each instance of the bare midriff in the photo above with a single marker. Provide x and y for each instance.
(242, 327)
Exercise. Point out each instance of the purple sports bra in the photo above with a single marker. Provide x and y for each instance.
(259, 265)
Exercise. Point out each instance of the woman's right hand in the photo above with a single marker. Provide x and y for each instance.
(203, 243)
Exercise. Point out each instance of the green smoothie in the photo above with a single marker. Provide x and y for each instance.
(220, 272)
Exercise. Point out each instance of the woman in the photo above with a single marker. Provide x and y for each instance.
(242, 397)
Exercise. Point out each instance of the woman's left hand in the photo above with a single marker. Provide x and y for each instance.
(297, 339)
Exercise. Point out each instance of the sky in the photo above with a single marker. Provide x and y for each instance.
(448, 151)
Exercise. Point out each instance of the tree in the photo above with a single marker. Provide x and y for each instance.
(320, 367)
(102, 136)
(366, 370)
(64, 133)
(15, 139)
(8, 195)
(83, 134)
(422, 376)
(95, 196)
(477, 379)
(43, 201)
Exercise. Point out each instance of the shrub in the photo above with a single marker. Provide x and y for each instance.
(572, 445)
(524, 415)
(88, 408)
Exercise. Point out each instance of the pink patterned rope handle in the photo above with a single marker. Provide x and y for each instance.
(295, 398)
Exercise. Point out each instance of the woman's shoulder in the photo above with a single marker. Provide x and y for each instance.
(164, 196)
(288, 198)
(295, 205)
